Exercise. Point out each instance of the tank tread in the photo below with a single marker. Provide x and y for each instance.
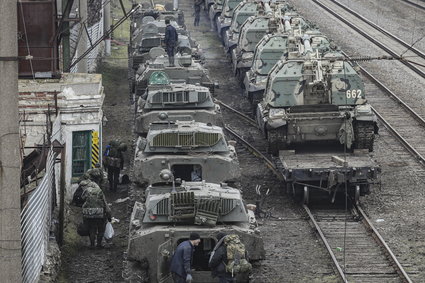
(364, 135)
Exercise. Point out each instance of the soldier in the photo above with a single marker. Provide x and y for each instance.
(95, 211)
(96, 175)
(218, 259)
(170, 40)
(197, 7)
(114, 162)
(181, 263)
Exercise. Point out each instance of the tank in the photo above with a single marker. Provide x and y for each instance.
(314, 97)
(225, 18)
(184, 102)
(171, 212)
(241, 13)
(252, 31)
(275, 47)
(191, 150)
(186, 70)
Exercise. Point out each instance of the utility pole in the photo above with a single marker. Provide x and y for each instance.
(10, 162)
(107, 26)
(65, 37)
(82, 42)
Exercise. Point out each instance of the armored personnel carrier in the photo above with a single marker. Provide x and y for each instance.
(241, 13)
(171, 212)
(186, 70)
(225, 18)
(191, 150)
(172, 102)
(314, 97)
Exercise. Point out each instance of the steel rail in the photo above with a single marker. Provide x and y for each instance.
(370, 38)
(240, 114)
(384, 31)
(414, 4)
(325, 242)
(270, 164)
(400, 270)
(403, 141)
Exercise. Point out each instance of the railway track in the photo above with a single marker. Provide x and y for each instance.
(415, 4)
(390, 43)
(358, 251)
(367, 258)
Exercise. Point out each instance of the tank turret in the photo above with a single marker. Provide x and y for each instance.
(191, 150)
(316, 97)
(241, 13)
(164, 101)
(224, 20)
(159, 224)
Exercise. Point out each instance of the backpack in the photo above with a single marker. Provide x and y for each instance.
(236, 256)
(93, 206)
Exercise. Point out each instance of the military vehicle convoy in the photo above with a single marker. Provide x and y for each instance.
(314, 97)
(164, 101)
(183, 163)
(191, 150)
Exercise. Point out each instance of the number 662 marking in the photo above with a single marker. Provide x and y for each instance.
(354, 93)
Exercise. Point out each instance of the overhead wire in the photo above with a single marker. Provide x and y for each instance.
(29, 57)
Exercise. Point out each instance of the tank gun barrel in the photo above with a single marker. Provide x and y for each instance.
(307, 44)
(287, 21)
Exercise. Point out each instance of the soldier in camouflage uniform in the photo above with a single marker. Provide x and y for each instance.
(96, 175)
(114, 162)
(95, 211)
(197, 7)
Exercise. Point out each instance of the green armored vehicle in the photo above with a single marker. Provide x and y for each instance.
(186, 70)
(224, 20)
(191, 150)
(171, 102)
(241, 13)
(313, 97)
(171, 212)
(252, 31)
(275, 47)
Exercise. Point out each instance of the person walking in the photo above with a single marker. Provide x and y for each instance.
(170, 40)
(218, 259)
(95, 212)
(114, 161)
(181, 263)
(197, 7)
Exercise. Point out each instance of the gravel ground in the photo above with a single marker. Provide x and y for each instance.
(396, 206)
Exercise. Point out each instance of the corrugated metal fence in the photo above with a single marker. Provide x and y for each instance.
(35, 224)
(95, 32)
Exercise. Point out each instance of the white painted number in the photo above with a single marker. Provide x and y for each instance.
(355, 93)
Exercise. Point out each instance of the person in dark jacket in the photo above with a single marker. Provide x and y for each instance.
(170, 40)
(197, 7)
(181, 263)
(218, 261)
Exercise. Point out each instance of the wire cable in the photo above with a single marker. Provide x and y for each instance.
(26, 40)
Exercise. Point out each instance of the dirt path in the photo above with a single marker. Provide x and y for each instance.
(79, 263)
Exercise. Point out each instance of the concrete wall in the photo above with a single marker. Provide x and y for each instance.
(76, 98)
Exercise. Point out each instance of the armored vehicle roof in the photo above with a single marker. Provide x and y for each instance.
(242, 12)
(197, 203)
(176, 96)
(185, 136)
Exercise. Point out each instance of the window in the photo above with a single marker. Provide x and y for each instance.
(80, 152)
